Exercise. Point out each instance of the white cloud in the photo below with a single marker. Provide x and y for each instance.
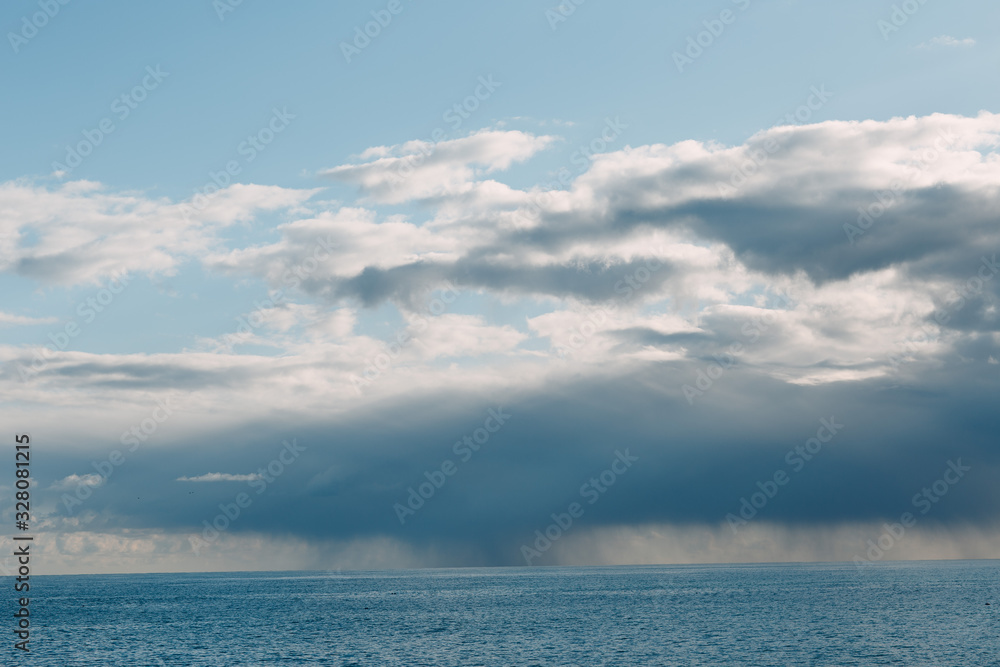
(221, 477)
(73, 481)
(451, 335)
(8, 319)
(947, 40)
(78, 232)
(422, 170)
(338, 243)
(720, 252)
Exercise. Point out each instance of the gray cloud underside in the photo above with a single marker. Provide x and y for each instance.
(695, 462)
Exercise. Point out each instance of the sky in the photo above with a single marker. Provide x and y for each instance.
(396, 284)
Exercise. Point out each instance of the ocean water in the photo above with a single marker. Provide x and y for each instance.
(911, 614)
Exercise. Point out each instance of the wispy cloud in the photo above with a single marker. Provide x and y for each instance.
(74, 481)
(82, 233)
(221, 477)
(10, 320)
(947, 40)
(424, 170)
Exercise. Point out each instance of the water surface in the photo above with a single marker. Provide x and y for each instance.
(918, 613)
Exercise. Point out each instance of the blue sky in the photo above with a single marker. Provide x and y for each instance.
(227, 74)
(592, 311)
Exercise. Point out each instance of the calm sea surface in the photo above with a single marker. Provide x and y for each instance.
(827, 614)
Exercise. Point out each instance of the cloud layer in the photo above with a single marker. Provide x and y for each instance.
(700, 305)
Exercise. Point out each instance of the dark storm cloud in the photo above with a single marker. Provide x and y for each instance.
(697, 461)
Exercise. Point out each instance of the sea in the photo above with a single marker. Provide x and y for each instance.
(901, 613)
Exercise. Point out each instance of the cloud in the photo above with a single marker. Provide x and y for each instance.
(424, 170)
(451, 335)
(79, 232)
(829, 200)
(74, 481)
(788, 213)
(946, 41)
(717, 223)
(221, 477)
(702, 305)
(8, 319)
(695, 462)
(657, 252)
